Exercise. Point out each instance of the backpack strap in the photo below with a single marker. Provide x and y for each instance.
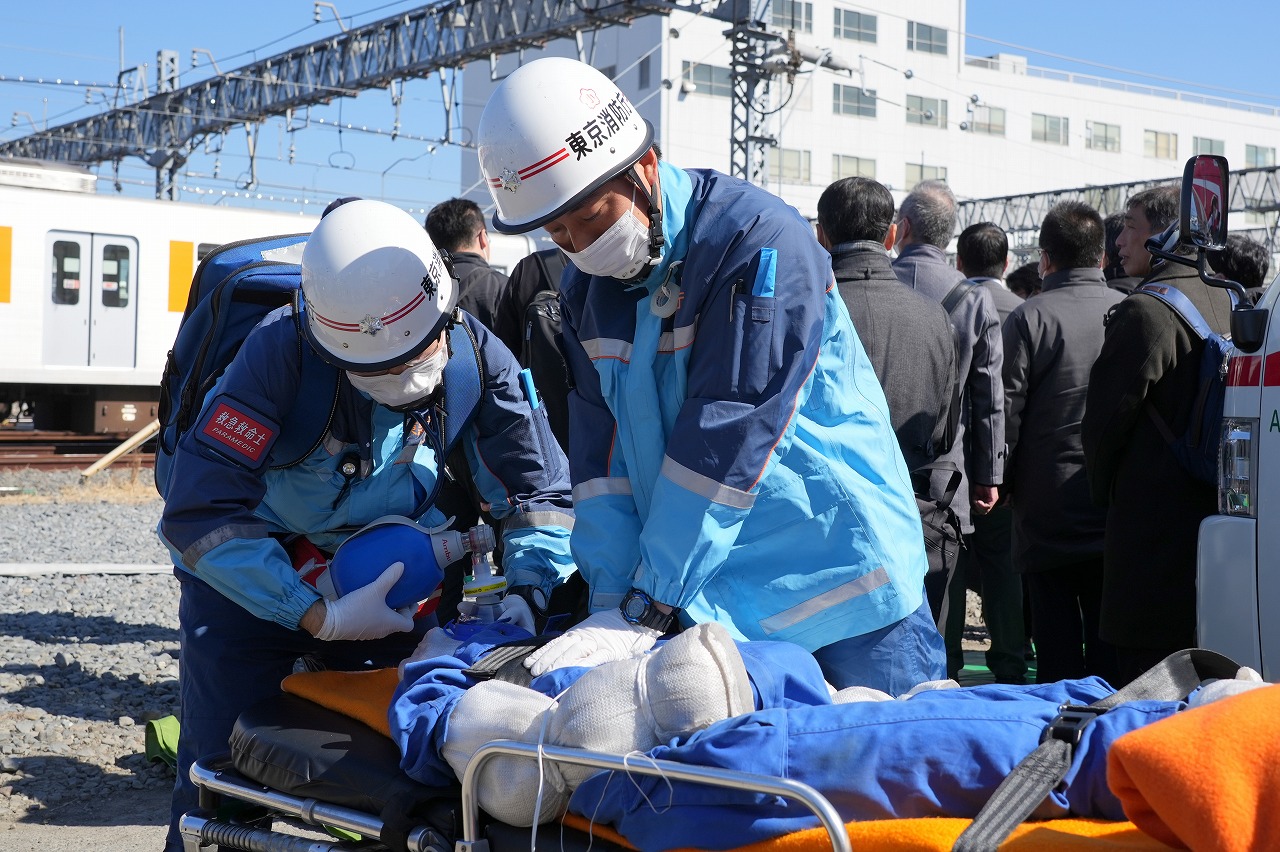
(1181, 305)
(1039, 772)
(1184, 308)
(463, 383)
(957, 293)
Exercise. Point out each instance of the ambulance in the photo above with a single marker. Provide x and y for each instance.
(1238, 578)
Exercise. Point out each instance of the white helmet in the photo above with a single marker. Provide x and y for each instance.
(551, 134)
(376, 292)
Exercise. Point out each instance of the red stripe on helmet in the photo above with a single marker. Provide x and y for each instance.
(354, 327)
(544, 163)
(406, 310)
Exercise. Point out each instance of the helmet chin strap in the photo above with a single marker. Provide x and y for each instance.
(654, 195)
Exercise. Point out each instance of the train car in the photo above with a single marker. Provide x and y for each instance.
(92, 287)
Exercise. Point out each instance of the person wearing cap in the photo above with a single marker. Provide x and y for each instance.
(730, 448)
(377, 318)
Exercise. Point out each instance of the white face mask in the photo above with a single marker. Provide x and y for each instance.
(410, 387)
(620, 252)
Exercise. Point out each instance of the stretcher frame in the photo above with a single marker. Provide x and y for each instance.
(216, 778)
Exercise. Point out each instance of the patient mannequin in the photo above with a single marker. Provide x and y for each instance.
(621, 707)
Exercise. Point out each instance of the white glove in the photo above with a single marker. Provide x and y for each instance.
(602, 638)
(364, 613)
(514, 609)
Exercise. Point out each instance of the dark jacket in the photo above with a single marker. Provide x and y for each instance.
(1005, 299)
(908, 339)
(979, 445)
(1154, 507)
(1124, 284)
(1050, 343)
(479, 285)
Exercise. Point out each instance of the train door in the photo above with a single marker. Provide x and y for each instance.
(91, 311)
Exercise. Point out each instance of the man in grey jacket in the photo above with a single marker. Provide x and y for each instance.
(982, 253)
(906, 335)
(1050, 344)
(926, 222)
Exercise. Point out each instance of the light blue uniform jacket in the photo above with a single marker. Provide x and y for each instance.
(736, 459)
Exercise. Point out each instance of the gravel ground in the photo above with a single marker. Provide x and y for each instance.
(85, 660)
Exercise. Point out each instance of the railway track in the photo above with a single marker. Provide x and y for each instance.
(65, 450)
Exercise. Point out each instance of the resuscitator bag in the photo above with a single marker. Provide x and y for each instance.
(363, 557)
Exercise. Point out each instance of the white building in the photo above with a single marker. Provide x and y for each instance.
(912, 107)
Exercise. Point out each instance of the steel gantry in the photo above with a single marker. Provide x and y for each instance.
(164, 129)
(1254, 190)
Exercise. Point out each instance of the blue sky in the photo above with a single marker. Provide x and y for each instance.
(1177, 44)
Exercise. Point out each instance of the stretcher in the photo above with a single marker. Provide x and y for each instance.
(300, 766)
(1204, 778)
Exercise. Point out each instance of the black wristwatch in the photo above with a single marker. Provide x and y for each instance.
(533, 596)
(639, 608)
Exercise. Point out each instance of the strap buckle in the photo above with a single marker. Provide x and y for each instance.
(1070, 723)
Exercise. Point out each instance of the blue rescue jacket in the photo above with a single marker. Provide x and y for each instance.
(228, 508)
(736, 459)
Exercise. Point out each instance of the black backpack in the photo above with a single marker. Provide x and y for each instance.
(540, 338)
(1197, 448)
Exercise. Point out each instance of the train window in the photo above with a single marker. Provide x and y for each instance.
(203, 250)
(115, 276)
(66, 272)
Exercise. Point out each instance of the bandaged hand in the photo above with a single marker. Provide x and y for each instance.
(603, 637)
(364, 614)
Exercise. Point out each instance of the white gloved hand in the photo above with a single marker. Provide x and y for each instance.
(364, 614)
(602, 638)
(514, 609)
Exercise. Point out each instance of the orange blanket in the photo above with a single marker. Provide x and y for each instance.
(361, 695)
(367, 696)
(1208, 778)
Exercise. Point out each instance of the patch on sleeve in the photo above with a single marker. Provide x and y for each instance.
(236, 431)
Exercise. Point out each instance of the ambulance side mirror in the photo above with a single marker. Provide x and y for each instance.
(1202, 225)
(1205, 196)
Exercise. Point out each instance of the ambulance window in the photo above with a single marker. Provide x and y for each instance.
(115, 276)
(203, 250)
(66, 273)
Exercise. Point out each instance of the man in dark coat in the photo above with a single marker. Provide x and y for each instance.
(1050, 344)
(986, 563)
(457, 226)
(926, 222)
(1149, 363)
(906, 335)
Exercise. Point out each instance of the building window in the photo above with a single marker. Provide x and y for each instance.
(707, 79)
(850, 100)
(930, 111)
(1255, 156)
(926, 39)
(1050, 128)
(1161, 145)
(789, 165)
(856, 26)
(988, 119)
(793, 15)
(1201, 145)
(918, 173)
(645, 82)
(1101, 137)
(844, 166)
